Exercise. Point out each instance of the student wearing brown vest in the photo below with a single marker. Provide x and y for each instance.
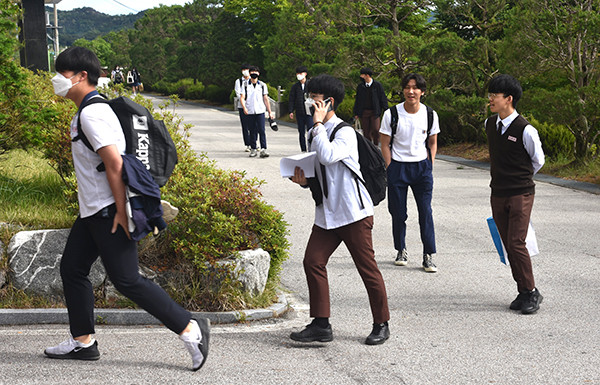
(515, 156)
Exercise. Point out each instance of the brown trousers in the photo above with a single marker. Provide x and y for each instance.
(321, 244)
(511, 215)
(369, 123)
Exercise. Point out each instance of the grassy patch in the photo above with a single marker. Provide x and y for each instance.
(31, 192)
(562, 168)
(11, 298)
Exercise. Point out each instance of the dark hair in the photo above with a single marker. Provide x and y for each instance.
(245, 67)
(79, 59)
(420, 80)
(254, 68)
(329, 87)
(366, 71)
(301, 69)
(507, 85)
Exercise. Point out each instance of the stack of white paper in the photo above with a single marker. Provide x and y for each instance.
(305, 161)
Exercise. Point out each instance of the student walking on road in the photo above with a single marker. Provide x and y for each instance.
(409, 148)
(255, 102)
(239, 84)
(101, 229)
(297, 99)
(343, 213)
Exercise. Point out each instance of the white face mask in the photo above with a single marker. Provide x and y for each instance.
(300, 76)
(246, 73)
(62, 85)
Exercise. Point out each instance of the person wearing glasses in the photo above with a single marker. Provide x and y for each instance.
(516, 155)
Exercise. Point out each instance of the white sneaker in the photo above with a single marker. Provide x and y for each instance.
(247, 149)
(252, 153)
(196, 342)
(72, 349)
(264, 153)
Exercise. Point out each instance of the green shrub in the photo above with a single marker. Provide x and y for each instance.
(272, 92)
(195, 91)
(216, 94)
(345, 110)
(557, 141)
(221, 212)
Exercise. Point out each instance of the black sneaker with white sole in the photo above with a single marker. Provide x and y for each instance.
(72, 349)
(401, 258)
(428, 264)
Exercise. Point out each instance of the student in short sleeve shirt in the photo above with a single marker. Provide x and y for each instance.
(410, 164)
(101, 229)
(255, 102)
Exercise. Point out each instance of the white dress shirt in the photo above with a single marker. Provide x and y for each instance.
(343, 203)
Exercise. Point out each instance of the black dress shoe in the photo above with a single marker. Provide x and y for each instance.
(517, 304)
(312, 333)
(380, 334)
(532, 302)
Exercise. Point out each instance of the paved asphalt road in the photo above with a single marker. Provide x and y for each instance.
(453, 327)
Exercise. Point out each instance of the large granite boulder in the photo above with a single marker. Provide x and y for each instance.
(252, 269)
(34, 261)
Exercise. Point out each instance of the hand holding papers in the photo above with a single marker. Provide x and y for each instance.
(305, 161)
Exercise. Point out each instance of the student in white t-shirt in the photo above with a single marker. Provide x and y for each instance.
(409, 162)
(255, 102)
(101, 229)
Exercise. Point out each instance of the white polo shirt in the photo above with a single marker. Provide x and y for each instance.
(255, 102)
(411, 133)
(102, 128)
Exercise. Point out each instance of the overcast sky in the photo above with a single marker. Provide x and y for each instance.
(116, 7)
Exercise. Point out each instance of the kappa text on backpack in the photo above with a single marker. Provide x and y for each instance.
(146, 138)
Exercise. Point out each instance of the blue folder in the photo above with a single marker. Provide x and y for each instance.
(497, 240)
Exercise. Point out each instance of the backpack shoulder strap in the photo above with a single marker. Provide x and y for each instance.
(429, 125)
(393, 123)
(429, 120)
(80, 134)
(336, 129)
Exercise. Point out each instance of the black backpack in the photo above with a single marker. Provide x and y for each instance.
(394, 126)
(372, 166)
(147, 139)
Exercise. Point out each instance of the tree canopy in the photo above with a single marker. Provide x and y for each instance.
(551, 46)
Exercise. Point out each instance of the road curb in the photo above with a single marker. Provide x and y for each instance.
(138, 317)
(572, 184)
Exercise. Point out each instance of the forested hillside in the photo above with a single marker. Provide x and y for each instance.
(87, 23)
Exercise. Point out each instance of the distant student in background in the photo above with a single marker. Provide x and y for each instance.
(255, 102)
(238, 85)
(370, 102)
(297, 99)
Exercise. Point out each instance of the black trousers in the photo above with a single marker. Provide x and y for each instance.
(91, 237)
